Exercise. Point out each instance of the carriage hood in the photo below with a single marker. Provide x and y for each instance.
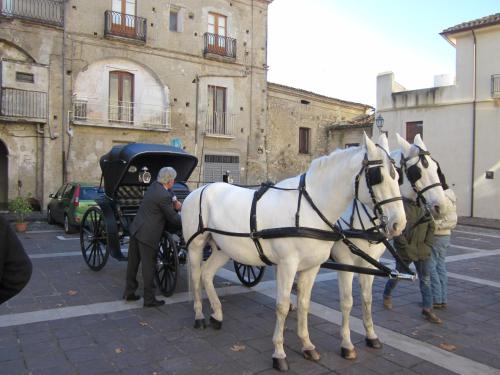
(122, 164)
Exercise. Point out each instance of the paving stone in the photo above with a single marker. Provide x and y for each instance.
(42, 362)
(9, 353)
(14, 367)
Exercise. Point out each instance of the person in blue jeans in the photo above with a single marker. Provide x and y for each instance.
(442, 234)
(414, 246)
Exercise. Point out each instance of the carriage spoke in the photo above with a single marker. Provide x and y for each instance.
(253, 273)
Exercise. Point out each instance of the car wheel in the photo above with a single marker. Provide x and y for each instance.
(68, 228)
(50, 219)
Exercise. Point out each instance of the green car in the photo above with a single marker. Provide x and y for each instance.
(68, 205)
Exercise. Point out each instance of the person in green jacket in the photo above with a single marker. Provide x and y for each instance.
(414, 245)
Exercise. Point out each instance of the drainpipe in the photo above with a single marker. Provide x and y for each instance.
(250, 126)
(41, 168)
(474, 99)
(63, 101)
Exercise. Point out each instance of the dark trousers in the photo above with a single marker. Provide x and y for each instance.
(15, 266)
(139, 252)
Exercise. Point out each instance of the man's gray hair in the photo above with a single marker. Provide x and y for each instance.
(166, 174)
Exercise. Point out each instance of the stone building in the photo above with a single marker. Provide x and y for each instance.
(458, 118)
(79, 76)
(303, 125)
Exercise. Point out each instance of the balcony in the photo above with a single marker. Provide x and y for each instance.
(495, 86)
(219, 46)
(23, 105)
(44, 11)
(220, 124)
(124, 26)
(124, 115)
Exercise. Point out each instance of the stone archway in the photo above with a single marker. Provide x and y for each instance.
(4, 185)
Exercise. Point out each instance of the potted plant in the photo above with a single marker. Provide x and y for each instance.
(20, 206)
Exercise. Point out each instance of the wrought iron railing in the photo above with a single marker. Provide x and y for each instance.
(45, 11)
(495, 85)
(95, 112)
(124, 25)
(219, 45)
(23, 103)
(220, 124)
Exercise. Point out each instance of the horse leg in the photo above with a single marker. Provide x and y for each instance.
(347, 349)
(195, 256)
(304, 288)
(366, 282)
(284, 280)
(216, 260)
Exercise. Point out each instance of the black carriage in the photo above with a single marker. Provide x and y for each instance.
(127, 171)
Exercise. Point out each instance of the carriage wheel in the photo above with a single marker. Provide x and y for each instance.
(249, 275)
(167, 265)
(93, 239)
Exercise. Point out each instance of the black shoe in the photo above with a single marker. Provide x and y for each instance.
(131, 297)
(154, 303)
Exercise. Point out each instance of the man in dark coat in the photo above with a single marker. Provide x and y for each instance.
(15, 266)
(155, 213)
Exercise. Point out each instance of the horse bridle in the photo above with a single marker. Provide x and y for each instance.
(373, 176)
(414, 173)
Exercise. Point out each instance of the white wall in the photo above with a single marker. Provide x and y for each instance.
(448, 116)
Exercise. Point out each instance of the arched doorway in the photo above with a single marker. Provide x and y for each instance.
(4, 185)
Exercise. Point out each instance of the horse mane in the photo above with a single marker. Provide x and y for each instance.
(325, 160)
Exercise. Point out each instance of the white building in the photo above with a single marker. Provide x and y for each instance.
(460, 123)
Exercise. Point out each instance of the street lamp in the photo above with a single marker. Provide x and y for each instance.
(379, 122)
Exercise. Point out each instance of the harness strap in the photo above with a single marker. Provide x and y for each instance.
(396, 256)
(357, 251)
(253, 223)
(302, 188)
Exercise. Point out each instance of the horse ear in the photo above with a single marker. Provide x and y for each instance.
(370, 146)
(405, 146)
(419, 142)
(383, 142)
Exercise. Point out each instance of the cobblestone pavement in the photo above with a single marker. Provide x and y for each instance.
(70, 320)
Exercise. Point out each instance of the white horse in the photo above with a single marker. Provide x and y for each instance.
(330, 183)
(427, 186)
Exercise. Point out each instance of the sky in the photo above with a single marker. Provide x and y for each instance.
(338, 47)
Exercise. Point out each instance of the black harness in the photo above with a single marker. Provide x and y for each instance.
(414, 173)
(373, 174)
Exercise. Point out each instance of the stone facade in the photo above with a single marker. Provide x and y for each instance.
(291, 109)
(79, 77)
(174, 62)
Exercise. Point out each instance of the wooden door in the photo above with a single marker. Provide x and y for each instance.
(121, 96)
(123, 19)
(217, 26)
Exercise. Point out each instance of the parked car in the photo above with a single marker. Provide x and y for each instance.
(68, 205)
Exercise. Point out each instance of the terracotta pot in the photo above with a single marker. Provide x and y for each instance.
(21, 227)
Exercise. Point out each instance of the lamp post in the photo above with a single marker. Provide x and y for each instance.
(379, 122)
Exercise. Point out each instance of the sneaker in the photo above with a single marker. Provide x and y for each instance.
(388, 302)
(431, 317)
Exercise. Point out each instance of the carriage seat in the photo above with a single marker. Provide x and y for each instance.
(129, 198)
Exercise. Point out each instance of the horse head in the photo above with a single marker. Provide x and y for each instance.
(378, 186)
(422, 182)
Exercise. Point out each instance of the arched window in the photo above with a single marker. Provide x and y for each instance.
(121, 96)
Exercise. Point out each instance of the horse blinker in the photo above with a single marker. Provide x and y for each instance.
(374, 175)
(414, 173)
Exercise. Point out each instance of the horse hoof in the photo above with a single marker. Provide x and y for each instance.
(215, 324)
(349, 354)
(280, 364)
(373, 343)
(200, 324)
(311, 355)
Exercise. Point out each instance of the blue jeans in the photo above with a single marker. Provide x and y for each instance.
(439, 278)
(424, 277)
